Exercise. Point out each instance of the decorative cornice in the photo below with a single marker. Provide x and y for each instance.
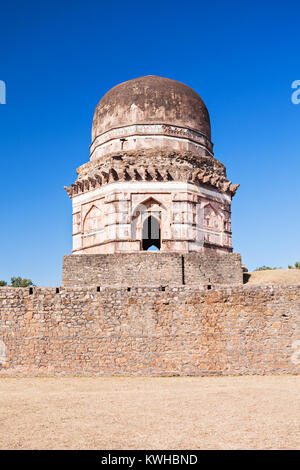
(150, 173)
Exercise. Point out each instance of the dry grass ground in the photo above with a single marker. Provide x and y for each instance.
(247, 412)
(274, 276)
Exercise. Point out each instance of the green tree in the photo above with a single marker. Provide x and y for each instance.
(20, 282)
(3, 283)
(296, 266)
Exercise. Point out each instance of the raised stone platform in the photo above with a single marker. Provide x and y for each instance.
(152, 269)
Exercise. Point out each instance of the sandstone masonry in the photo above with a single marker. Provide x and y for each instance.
(152, 269)
(149, 331)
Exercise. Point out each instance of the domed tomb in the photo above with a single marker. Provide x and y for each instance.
(152, 182)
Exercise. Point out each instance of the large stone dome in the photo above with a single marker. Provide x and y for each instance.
(151, 99)
(155, 101)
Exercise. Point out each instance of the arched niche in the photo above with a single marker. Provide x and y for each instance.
(92, 220)
(213, 219)
(148, 207)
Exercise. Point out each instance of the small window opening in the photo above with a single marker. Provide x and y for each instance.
(151, 238)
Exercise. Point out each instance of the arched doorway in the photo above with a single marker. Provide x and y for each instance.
(151, 234)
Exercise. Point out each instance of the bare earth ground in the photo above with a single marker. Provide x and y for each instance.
(249, 412)
(274, 275)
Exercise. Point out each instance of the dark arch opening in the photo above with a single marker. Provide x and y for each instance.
(151, 233)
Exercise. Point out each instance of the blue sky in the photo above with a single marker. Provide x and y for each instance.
(59, 58)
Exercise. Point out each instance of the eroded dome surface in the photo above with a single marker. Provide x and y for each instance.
(151, 105)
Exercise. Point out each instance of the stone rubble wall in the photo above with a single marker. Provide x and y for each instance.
(250, 329)
(151, 269)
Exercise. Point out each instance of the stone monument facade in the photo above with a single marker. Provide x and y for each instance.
(152, 182)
